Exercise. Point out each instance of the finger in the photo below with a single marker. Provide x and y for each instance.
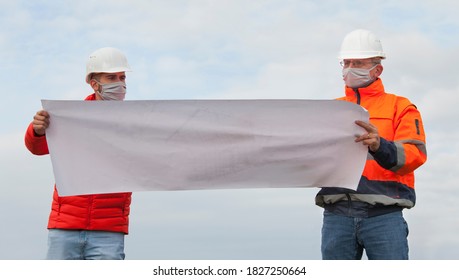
(42, 116)
(369, 127)
(40, 125)
(366, 138)
(41, 122)
(43, 113)
(364, 125)
(38, 117)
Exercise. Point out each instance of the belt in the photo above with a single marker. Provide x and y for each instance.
(359, 209)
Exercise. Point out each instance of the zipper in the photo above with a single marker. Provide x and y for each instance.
(349, 204)
(349, 201)
(357, 94)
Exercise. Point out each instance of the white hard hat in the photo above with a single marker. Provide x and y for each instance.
(361, 44)
(106, 60)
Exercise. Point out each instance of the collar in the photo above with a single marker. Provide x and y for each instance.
(374, 89)
(91, 97)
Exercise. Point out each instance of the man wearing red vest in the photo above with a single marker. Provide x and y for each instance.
(371, 218)
(87, 226)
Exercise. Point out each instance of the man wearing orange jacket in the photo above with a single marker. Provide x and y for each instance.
(371, 218)
(87, 226)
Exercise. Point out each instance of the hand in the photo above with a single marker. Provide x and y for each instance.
(371, 138)
(40, 122)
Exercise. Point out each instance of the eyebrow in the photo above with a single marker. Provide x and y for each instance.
(114, 75)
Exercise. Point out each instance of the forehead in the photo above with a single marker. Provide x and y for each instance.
(117, 74)
(358, 59)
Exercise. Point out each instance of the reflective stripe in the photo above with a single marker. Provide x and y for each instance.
(401, 160)
(419, 144)
(378, 185)
(368, 198)
(372, 192)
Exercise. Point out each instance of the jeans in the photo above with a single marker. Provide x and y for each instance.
(85, 245)
(383, 237)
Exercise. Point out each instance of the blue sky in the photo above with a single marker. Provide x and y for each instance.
(226, 50)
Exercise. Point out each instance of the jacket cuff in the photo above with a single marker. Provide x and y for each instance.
(386, 155)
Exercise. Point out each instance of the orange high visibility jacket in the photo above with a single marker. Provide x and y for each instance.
(106, 212)
(388, 176)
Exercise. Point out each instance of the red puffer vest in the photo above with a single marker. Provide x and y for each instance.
(105, 212)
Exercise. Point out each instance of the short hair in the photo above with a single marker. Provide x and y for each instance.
(376, 60)
(95, 76)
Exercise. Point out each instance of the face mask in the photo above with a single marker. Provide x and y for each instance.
(357, 77)
(113, 91)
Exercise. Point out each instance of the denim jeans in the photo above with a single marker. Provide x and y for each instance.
(383, 237)
(85, 245)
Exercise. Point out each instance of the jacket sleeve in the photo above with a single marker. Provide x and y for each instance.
(386, 155)
(37, 145)
(408, 150)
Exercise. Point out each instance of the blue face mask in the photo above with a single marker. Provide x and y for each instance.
(357, 77)
(113, 91)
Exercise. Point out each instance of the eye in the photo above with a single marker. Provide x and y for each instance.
(345, 63)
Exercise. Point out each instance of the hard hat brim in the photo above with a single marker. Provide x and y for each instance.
(361, 55)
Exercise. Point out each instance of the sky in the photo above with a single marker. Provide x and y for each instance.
(236, 49)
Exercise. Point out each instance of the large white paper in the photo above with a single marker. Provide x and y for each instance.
(113, 146)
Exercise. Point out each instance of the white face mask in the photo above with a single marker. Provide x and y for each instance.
(113, 91)
(357, 77)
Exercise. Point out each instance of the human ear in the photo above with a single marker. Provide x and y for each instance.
(94, 84)
(378, 70)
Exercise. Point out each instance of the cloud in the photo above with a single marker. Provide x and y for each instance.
(226, 49)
